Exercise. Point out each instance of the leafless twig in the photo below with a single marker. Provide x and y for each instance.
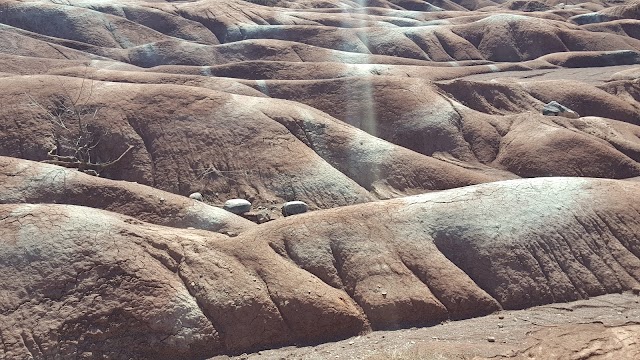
(75, 133)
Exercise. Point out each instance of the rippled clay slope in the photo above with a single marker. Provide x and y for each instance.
(435, 107)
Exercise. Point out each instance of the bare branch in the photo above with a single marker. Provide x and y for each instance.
(55, 119)
(84, 166)
(100, 167)
(55, 157)
(76, 136)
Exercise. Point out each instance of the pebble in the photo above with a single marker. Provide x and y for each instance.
(491, 339)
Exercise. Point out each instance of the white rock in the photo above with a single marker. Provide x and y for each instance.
(237, 206)
(196, 196)
(556, 109)
(294, 207)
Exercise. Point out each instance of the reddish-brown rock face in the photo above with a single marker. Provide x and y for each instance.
(92, 283)
(409, 124)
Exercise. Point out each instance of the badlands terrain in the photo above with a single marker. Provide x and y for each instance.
(449, 218)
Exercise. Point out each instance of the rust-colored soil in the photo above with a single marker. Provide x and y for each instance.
(603, 327)
(419, 133)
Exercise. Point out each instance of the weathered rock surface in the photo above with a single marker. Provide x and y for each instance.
(554, 108)
(241, 74)
(597, 327)
(237, 206)
(88, 282)
(25, 181)
(196, 196)
(294, 207)
(271, 153)
(259, 217)
(338, 104)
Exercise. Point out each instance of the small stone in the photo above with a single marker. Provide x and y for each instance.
(162, 199)
(351, 342)
(500, 317)
(556, 109)
(491, 339)
(294, 208)
(196, 196)
(237, 206)
(384, 294)
(635, 290)
(500, 326)
(258, 217)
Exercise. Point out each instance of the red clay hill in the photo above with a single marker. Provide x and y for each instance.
(458, 158)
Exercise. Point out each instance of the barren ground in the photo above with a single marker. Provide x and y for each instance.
(451, 216)
(605, 327)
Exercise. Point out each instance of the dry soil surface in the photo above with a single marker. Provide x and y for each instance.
(604, 327)
(438, 190)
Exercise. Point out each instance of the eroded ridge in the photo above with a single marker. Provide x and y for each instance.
(84, 281)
